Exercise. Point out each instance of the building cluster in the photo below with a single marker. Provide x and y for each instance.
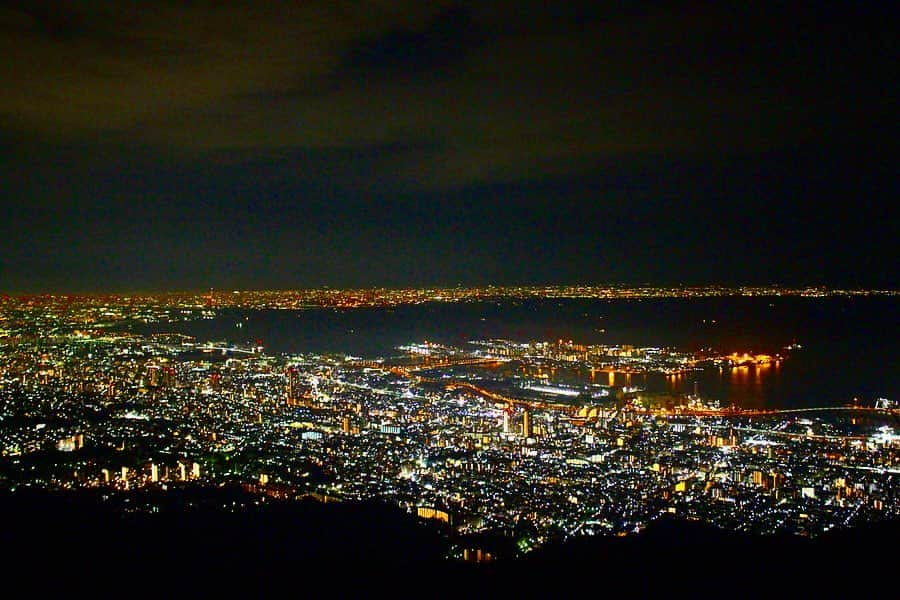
(440, 434)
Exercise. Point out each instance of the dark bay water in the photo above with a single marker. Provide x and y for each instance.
(850, 345)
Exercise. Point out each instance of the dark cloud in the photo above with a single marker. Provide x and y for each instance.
(363, 141)
(403, 53)
(504, 88)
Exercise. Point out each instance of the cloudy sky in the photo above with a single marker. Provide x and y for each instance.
(192, 144)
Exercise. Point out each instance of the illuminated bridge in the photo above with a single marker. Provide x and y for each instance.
(426, 365)
(226, 349)
(460, 363)
(751, 412)
(507, 400)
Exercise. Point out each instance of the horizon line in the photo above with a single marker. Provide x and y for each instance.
(782, 287)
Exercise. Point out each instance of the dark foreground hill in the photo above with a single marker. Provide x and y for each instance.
(677, 556)
(74, 540)
(76, 532)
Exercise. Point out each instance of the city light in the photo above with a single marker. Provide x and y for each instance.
(478, 437)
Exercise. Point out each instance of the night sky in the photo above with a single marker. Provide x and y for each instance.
(190, 144)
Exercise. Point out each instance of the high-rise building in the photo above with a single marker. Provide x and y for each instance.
(153, 375)
(759, 478)
(362, 412)
(154, 473)
(293, 385)
(526, 423)
(168, 377)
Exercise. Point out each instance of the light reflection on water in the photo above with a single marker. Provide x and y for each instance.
(850, 346)
(746, 386)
